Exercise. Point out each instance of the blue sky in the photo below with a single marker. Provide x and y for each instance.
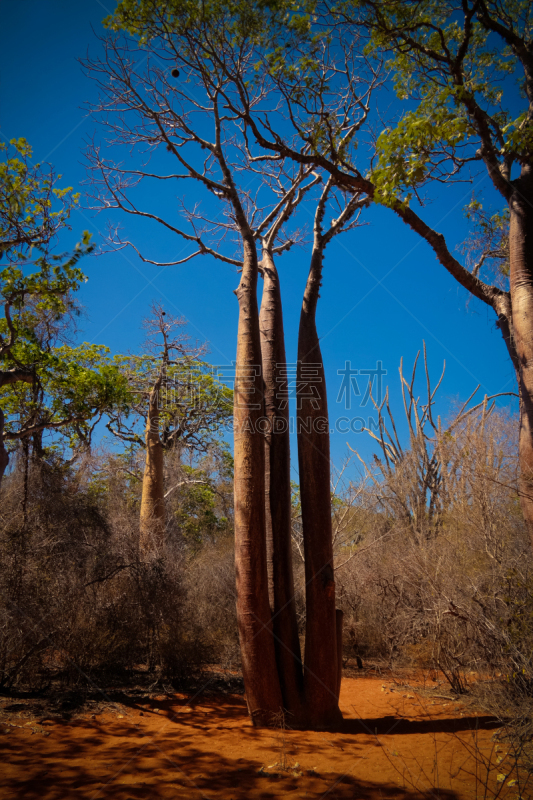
(383, 291)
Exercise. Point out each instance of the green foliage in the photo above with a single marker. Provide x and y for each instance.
(145, 19)
(406, 153)
(193, 403)
(32, 208)
(449, 63)
(72, 385)
(240, 19)
(201, 33)
(32, 212)
(196, 514)
(45, 383)
(456, 71)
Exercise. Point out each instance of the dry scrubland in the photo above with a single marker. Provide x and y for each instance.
(433, 574)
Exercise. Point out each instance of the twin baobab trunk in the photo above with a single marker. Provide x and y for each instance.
(272, 667)
(278, 495)
(521, 285)
(260, 674)
(321, 673)
(152, 517)
(266, 610)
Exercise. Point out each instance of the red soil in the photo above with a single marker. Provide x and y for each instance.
(393, 745)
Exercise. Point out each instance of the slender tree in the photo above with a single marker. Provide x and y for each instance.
(277, 462)
(180, 404)
(323, 639)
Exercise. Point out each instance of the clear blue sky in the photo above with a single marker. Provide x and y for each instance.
(383, 290)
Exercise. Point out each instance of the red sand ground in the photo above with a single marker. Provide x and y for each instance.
(393, 745)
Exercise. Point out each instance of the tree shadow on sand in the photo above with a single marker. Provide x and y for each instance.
(125, 757)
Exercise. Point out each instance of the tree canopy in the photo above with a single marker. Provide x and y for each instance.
(45, 383)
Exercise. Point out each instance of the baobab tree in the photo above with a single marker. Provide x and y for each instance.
(173, 118)
(181, 404)
(176, 120)
(454, 60)
(323, 658)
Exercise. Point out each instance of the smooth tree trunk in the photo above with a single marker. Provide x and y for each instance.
(278, 494)
(4, 456)
(521, 286)
(152, 516)
(320, 666)
(260, 675)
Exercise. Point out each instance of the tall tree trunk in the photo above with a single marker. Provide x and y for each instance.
(278, 494)
(4, 456)
(261, 681)
(152, 517)
(320, 672)
(521, 284)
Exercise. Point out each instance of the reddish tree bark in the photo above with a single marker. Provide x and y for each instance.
(323, 632)
(263, 692)
(152, 515)
(521, 285)
(448, 66)
(278, 494)
(320, 666)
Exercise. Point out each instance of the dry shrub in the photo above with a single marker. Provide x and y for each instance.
(76, 604)
(210, 587)
(443, 576)
(429, 577)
